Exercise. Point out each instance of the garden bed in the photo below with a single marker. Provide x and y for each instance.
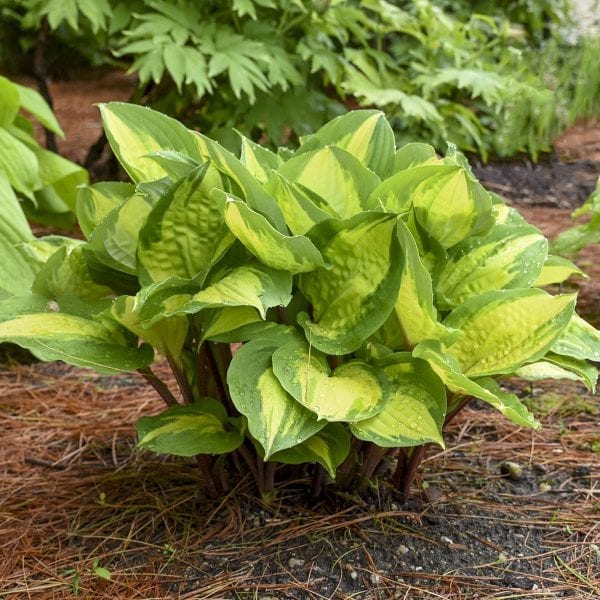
(79, 502)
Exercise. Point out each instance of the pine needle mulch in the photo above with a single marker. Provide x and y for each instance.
(79, 503)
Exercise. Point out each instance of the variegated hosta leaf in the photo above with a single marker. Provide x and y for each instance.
(259, 161)
(447, 369)
(555, 366)
(395, 194)
(414, 317)
(557, 269)
(507, 257)
(249, 285)
(366, 134)
(94, 202)
(354, 391)
(452, 207)
(416, 408)
(50, 335)
(300, 210)
(249, 188)
(353, 299)
(329, 447)
(135, 131)
(413, 155)
(275, 419)
(502, 330)
(18, 164)
(167, 335)
(66, 273)
(187, 431)
(296, 254)
(579, 340)
(241, 324)
(112, 247)
(176, 164)
(222, 324)
(185, 233)
(334, 175)
(17, 267)
(159, 300)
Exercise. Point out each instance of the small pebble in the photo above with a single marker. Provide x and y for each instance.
(353, 575)
(375, 578)
(446, 540)
(544, 487)
(512, 470)
(402, 549)
(418, 568)
(295, 562)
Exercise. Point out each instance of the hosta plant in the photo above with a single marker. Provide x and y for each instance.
(33, 182)
(332, 307)
(574, 239)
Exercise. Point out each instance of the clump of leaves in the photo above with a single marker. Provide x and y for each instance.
(576, 238)
(334, 306)
(33, 182)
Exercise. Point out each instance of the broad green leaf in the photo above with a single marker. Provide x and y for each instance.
(557, 269)
(159, 300)
(414, 317)
(135, 131)
(502, 330)
(300, 210)
(578, 340)
(222, 324)
(176, 164)
(507, 257)
(296, 254)
(554, 366)
(167, 335)
(334, 175)
(19, 164)
(275, 419)
(185, 233)
(415, 410)
(251, 190)
(33, 103)
(447, 369)
(366, 134)
(66, 273)
(186, 431)
(249, 285)
(59, 179)
(94, 202)
(329, 447)
(113, 244)
(355, 297)
(9, 101)
(17, 267)
(413, 155)
(452, 207)
(354, 391)
(76, 340)
(259, 161)
(396, 193)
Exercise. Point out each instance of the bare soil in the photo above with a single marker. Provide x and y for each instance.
(76, 496)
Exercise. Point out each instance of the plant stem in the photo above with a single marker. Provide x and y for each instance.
(373, 455)
(269, 484)
(249, 460)
(206, 465)
(182, 381)
(318, 481)
(163, 391)
(407, 469)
